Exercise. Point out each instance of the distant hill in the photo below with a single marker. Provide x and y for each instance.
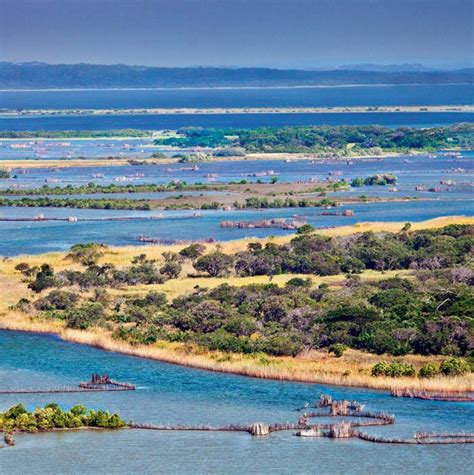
(392, 68)
(62, 76)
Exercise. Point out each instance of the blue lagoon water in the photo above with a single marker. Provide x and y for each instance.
(403, 95)
(66, 149)
(421, 169)
(173, 394)
(175, 121)
(37, 237)
(399, 95)
(178, 395)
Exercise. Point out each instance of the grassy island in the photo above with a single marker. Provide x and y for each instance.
(197, 144)
(235, 195)
(93, 188)
(81, 203)
(380, 305)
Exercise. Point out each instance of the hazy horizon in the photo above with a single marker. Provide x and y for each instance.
(283, 34)
(411, 67)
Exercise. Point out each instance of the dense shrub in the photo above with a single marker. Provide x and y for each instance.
(53, 417)
(87, 254)
(83, 316)
(393, 370)
(428, 370)
(454, 367)
(193, 251)
(57, 300)
(281, 345)
(338, 349)
(333, 139)
(26, 269)
(299, 282)
(44, 279)
(215, 264)
(428, 312)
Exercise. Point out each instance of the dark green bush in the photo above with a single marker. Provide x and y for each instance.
(393, 370)
(454, 367)
(338, 349)
(428, 370)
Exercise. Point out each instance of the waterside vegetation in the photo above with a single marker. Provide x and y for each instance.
(82, 203)
(52, 417)
(269, 309)
(346, 140)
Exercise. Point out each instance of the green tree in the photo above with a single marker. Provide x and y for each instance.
(44, 279)
(215, 264)
(338, 349)
(193, 251)
(87, 254)
(305, 229)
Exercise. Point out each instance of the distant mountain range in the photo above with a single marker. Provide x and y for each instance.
(63, 76)
(393, 68)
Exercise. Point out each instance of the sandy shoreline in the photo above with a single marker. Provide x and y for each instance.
(210, 88)
(236, 110)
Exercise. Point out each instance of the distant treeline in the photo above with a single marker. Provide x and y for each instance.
(41, 75)
(323, 138)
(145, 205)
(95, 203)
(92, 188)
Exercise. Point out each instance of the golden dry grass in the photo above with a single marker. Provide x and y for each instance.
(353, 369)
(122, 255)
(175, 287)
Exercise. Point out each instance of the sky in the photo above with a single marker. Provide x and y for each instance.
(277, 33)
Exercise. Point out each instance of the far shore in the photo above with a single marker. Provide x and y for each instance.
(352, 369)
(206, 88)
(100, 162)
(237, 110)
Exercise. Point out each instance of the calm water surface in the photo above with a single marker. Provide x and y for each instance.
(411, 171)
(402, 95)
(454, 94)
(37, 237)
(173, 394)
(65, 149)
(175, 121)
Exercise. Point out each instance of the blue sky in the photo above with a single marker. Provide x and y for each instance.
(281, 33)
